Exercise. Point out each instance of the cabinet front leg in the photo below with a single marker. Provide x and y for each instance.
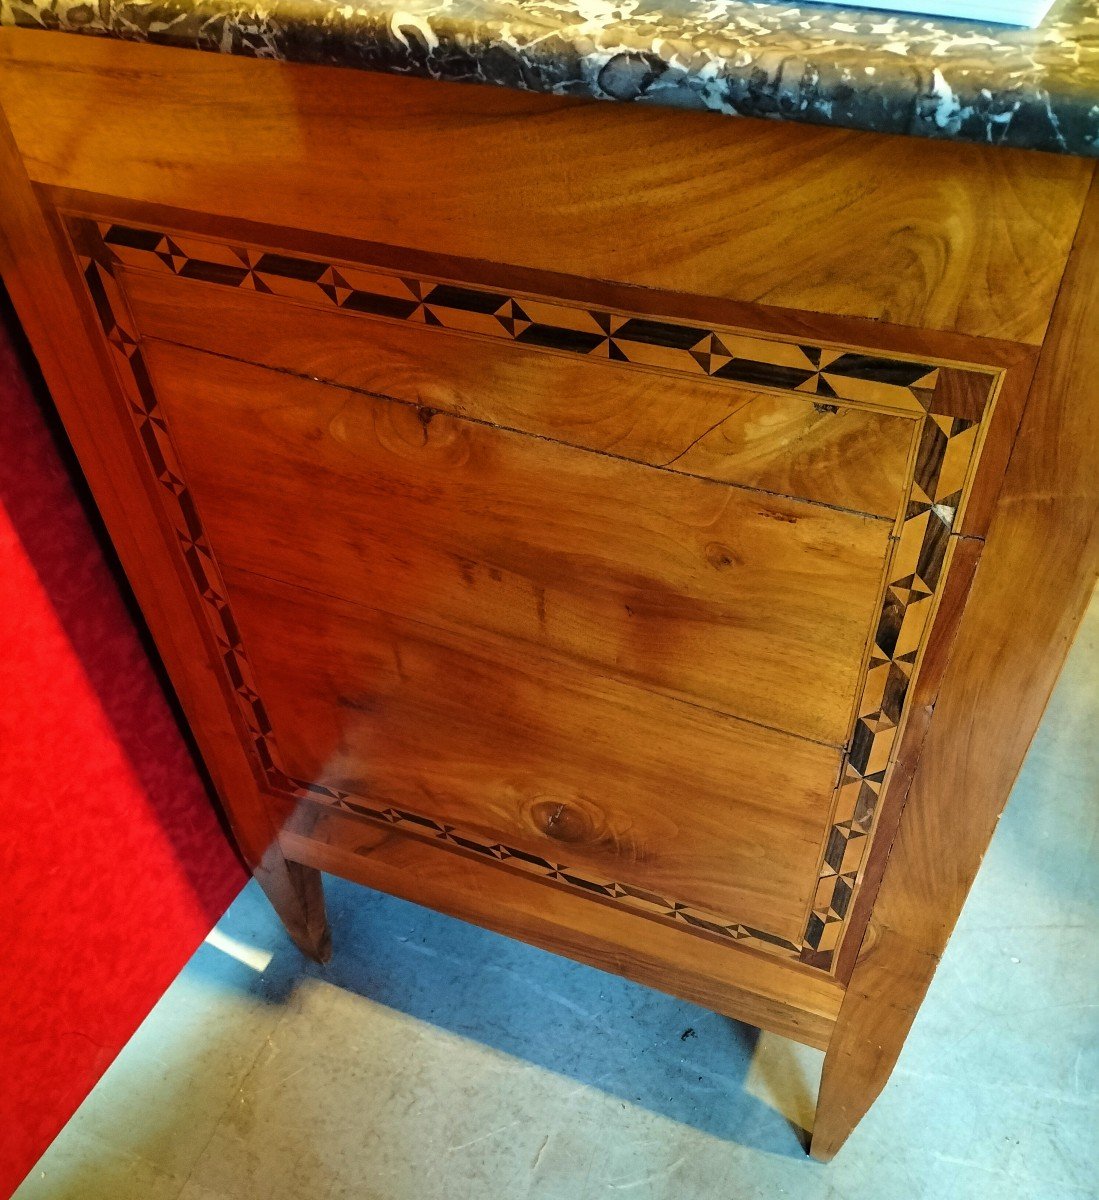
(865, 1046)
(297, 895)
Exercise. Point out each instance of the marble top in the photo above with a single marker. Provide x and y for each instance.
(814, 63)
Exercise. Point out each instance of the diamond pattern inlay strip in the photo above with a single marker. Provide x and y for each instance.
(946, 450)
(735, 356)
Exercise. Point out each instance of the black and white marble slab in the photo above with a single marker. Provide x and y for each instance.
(814, 63)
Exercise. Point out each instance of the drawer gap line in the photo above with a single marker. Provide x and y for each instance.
(541, 437)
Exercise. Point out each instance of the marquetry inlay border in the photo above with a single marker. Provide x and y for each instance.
(948, 404)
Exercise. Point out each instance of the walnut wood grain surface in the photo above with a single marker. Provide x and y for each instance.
(948, 407)
(937, 236)
(533, 753)
(753, 605)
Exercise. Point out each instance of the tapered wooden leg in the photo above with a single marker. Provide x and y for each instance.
(845, 1096)
(881, 1003)
(297, 895)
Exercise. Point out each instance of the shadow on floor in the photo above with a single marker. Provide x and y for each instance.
(663, 1054)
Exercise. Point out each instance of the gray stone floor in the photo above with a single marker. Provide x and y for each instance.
(431, 1059)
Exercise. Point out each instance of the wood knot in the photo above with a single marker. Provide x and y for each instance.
(720, 557)
(562, 822)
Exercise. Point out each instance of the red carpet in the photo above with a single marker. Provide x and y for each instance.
(114, 867)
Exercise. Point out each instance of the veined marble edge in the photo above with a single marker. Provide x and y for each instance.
(814, 64)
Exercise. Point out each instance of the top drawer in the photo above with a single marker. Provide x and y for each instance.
(551, 371)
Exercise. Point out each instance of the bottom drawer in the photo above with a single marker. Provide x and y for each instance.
(590, 782)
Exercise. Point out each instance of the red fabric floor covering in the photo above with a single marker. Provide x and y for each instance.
(113, 867)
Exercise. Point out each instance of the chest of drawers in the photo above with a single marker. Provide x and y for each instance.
(663, 559)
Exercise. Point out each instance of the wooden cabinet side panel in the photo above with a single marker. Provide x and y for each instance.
(953, 237)
(949, 397)
(76, 371)
(1030, 591)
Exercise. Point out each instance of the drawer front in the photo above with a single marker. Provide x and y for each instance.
(628, 604)
(530, 755)
(718, 595)
(775, 441)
